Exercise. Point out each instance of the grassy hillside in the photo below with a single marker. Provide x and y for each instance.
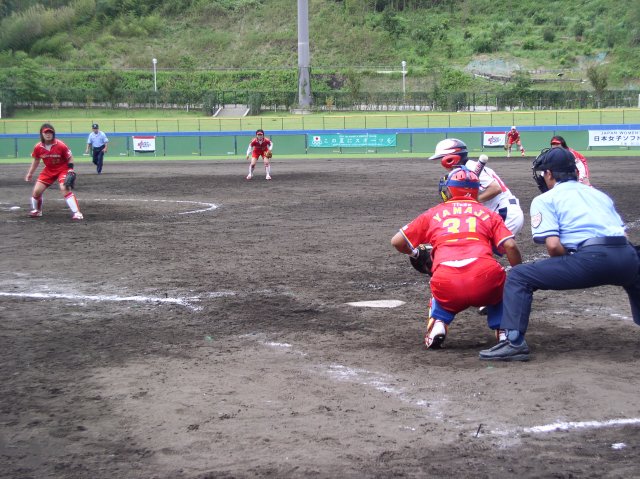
(470, 45)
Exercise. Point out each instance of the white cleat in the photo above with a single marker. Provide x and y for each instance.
(268, 177)
(249, 176)
(77, 216)
(436, 333)
(35, 213)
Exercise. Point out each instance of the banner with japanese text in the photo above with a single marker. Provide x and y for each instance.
(614, 137)
(340, 140)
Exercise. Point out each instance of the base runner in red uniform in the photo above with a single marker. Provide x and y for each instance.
(57, 160)
(465, 273)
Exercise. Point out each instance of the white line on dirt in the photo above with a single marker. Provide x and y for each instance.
(380, 303)
(378, 381)
(565, 426)
(186, 302)
(208, 206)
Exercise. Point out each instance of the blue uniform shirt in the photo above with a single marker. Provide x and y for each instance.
(574, 212)
(96, 140)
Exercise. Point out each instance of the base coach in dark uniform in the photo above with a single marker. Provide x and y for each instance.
(586, 242)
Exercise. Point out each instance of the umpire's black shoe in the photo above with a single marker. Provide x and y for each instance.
(506, 351)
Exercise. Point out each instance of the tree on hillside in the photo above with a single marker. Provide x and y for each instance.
(599, 79)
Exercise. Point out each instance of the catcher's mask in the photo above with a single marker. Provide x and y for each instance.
(559, 161)
(460, 183)
(451, 153)
(47, 127)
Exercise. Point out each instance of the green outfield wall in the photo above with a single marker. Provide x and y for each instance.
(234, 144)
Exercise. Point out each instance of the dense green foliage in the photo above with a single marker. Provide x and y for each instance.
(85, 51)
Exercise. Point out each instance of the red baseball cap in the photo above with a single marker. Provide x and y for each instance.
(48, 130)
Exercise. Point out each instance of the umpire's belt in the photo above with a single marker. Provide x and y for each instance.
(604, 241)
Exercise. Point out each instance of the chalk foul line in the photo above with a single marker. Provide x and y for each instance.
(185, 302)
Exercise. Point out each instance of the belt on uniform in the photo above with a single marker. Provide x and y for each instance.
(604, 241)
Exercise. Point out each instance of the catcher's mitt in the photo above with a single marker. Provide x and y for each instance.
(268, 154)
(423, 261)
(70, 180)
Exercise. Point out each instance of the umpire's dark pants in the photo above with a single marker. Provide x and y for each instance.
(98, 157)
(590, 266)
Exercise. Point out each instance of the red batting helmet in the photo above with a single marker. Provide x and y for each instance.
(451, 153)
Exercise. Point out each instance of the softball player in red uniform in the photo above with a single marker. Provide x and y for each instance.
(57, 159)
(465, 273)
(513, 136)
(259, 147)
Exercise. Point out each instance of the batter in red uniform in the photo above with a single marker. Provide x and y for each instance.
(57, 159)
(259, 147)
(465, 273)
(513, 136)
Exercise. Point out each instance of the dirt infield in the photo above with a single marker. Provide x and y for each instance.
(197, 325)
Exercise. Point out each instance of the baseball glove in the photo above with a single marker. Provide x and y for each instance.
(70, 180)
(423, 261)
(268, 154)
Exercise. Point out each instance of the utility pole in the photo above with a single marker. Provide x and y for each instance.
(304, 84)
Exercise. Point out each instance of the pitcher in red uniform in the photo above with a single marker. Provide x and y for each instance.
(57, 160)
(465, 273)
(260, 147)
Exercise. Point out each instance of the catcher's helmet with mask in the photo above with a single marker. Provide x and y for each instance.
(559, 161)
(460, 183)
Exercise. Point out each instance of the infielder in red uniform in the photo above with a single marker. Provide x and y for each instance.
(260, 147)
(513, 136)
(57, 159)
(465, 273)
(581, 162)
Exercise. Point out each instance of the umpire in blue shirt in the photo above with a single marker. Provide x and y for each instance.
(586, 242)
(99, 143)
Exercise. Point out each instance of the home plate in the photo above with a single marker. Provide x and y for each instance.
(381, 303)
(14, 208)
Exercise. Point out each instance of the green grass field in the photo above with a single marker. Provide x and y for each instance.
(159, 120)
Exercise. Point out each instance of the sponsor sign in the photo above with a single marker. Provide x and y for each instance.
(144, 143)
(614, 137)
(339, 140)
(493, 138)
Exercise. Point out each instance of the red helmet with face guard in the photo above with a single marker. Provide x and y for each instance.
(451, 153)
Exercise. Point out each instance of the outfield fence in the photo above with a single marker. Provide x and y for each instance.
(301, 143)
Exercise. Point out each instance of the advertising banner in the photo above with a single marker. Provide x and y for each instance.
(493, 138)
(339, 140)
(144, 143)
(614, 137)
